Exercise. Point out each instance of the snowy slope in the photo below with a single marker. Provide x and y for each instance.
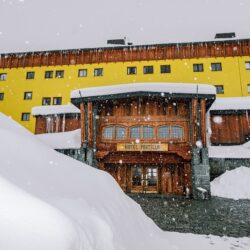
(50, 201)
(63, 24)
(233, 184)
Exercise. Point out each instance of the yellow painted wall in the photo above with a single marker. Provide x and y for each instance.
(233, 76)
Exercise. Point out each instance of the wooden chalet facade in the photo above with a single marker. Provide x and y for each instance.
(145, 135)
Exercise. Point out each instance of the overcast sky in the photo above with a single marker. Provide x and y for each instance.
(28, 25)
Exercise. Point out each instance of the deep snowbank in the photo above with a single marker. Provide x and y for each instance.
(233, 184)
(52, 202)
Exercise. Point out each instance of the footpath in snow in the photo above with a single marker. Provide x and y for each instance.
(52, 202)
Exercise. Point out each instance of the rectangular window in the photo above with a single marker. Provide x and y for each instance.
(120, 132)
(248, 88)
(108, 132)
(216, 67)
(3, 76)
(57, 100)
(148, 69)
(135, 133)
(219, 89)
(46, 101)
(1, 96)
(48, 74)
(165, 69)
(59, 73)
(247, 64)
(198, 67)
(30, 75)
(148, 132)
(98, 72)
(25, 116)
(131, 70)
(27, 96)
(176, 132)
(82, 72)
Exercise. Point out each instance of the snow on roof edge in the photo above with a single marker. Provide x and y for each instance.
(231, 103)
(158, 87)
(55, 109)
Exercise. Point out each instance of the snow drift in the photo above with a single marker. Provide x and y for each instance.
(52, 202)
(233, 184)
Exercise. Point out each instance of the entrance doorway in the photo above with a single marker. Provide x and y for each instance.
(144, 179)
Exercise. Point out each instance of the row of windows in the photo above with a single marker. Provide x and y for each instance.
(143, 132)
(164, 69)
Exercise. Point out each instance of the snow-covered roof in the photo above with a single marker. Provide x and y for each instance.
(230, 152)
(64, 140)
(55, 109)
(163, 87)
(231, 103)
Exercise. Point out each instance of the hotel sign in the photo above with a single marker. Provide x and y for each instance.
(146, 147)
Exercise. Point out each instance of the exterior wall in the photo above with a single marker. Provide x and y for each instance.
(71, 123)
(233, 76)
(229, 129)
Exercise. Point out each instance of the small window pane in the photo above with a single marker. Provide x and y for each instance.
(219, 89)
(25, 116)
(27, 95)
(120, 132)
(57, 100)
(148, 132)
(216, 67)
(98, 72)
(136, 176)
(59, 73)
(108, 132)
(248, 88)
(135, 132)
(247, 64)
(198, 67)
(82, 72)
(176, 132)
(164, 132)
(1, 96)
(165, 69)
(30, 75)
(131, 70)
(3, 76)
(148, 69)
(152, 176)
(48, 74)
(46, 101)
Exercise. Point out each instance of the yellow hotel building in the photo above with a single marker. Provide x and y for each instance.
(47, 77)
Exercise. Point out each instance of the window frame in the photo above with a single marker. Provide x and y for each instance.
(113, 132)
(2, 96)
(3, 76)
(130, 68)
(44, 98)
(82, 70)
(168, 135)
(165, 69)
(59, 74)
(130, 132)
(97, 70)
(247, 65)
(25, 95)
(196, 67)
(147, 132)
(217, 88)
(172, 127)
(25, 116)
(57, 98)
(216, 68)
(116, 132)
(145, 69)
(48, 74)
(30, 73)
(248, 88)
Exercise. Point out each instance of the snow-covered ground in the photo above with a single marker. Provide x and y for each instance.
(232, 184)
(50, 201)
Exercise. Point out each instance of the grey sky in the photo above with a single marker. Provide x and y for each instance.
(27, 25)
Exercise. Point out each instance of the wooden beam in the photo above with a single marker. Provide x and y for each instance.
(90, 124)
(203, 121)
(82, 118)
(194, 121)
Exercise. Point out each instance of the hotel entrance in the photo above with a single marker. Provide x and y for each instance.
(144, 179)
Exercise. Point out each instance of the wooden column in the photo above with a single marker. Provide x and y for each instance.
(118, 175)
(203, 122)
(101, 166)
(129, 179)
(163, 180)
(90, 124)
(82, 118)
(194, 120)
